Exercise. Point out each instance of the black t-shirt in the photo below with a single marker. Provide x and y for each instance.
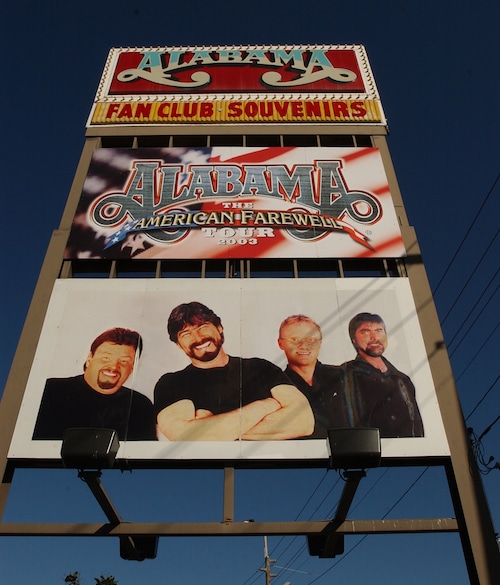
(223, 389)
(326, 397)
(72, 403)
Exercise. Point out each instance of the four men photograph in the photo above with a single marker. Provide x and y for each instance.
(223, 397)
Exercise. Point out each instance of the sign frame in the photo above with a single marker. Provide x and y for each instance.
(298, 84)
(145, 304)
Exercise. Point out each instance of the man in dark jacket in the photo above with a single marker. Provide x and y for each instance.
(379, 394)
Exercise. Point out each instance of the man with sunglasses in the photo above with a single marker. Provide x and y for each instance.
(300, 338)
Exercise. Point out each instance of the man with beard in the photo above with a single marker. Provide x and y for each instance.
(220, 397)
(98, 399)
(380, 395)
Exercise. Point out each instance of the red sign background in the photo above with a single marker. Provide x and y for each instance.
(230, 77)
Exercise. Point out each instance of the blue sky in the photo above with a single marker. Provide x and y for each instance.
(435, 67)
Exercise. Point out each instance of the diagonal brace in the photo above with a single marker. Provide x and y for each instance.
(333, 542)
(131, 547)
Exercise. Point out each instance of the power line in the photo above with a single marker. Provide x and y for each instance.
(472, 324)
(345, 555)
(273, 552)
(314, 492)
(481, 347)
(254, 577)
(470, 278)
(466, 235)
(371, 489)
(303, 547)
(481, 400)
(489, 427)
(483, 466)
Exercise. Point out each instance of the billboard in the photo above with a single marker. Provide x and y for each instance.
(223, 371)
(172, 85)
(222, 203)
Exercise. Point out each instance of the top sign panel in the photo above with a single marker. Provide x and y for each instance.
(247, 69)
(230, 77)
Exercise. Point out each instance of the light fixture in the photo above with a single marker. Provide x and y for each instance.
(354, 448)
(87, 448)
(138, 548)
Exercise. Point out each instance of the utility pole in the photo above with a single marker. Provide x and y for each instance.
(268, 562)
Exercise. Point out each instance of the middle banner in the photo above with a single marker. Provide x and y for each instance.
(221, 203)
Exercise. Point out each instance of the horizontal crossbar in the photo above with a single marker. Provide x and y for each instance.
(230, 528)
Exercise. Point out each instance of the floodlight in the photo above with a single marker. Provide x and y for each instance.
(138, 548)
(317, 544)
(87, 448)
(354, 448)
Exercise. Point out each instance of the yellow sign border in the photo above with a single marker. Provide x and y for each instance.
(237, 112)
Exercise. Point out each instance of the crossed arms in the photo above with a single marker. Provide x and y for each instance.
(287, 415)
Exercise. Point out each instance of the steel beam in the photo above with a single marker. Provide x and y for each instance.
(408, 526)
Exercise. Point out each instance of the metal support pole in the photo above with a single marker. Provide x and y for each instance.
(228, 494)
